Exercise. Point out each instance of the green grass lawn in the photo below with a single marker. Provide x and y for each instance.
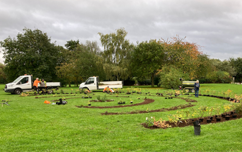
(30, 125)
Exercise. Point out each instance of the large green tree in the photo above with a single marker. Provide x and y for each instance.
(72, 44)
(116, 54)
(223, 66)
(147, 59)
(84, 62)
(30, 52)
(3, 76)
(237, 65)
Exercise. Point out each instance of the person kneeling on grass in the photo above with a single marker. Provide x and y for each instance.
(107, 89)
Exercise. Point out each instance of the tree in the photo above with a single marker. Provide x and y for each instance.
(223, 66)
(116, 54)
(30, 53)
(237, 64)
(219, 77)
(147, 59)
(184, 55)
(72, 45)
(92, 47)
(83, 64)
(3, 77)
(204, 68)
(169, 77)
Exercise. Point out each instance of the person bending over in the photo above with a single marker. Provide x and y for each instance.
(107, 89)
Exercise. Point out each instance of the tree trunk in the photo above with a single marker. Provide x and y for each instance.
(69, 84)
(152, 79)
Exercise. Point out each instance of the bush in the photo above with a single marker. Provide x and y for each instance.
(170, 77)
(219, 77)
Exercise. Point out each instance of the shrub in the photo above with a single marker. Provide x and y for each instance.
(169, 77)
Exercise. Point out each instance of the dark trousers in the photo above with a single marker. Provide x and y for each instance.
(196, 92)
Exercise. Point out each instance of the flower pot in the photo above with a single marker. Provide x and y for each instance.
(201, 119)
(223, 115)
(227, 118)
(234, 116)
(197, 127)
(89, 104)
(218, 119)
(209, 120)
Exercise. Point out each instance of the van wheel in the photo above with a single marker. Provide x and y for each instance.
(17, 91)
(85, 90)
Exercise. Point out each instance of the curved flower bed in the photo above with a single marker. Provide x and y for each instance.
(189, 122)
(146, 101)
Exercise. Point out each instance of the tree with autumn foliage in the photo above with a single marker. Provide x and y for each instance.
(183, 55)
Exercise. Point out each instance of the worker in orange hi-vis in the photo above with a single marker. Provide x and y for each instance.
(107, 89)
(36, 83)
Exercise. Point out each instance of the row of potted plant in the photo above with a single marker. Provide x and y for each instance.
(211, 114)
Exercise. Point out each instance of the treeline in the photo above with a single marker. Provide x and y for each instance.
(162, 62)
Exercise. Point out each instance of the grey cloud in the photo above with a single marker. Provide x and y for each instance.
(212, 24)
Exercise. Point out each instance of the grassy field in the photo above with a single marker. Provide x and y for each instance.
(28, 124)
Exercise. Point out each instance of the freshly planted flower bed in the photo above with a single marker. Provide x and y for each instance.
(189, 122)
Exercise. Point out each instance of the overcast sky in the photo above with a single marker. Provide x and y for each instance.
(215, 25)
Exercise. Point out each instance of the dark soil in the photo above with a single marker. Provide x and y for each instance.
(189, 122)
(157, 110)
(101, 101)
(187, 100)
(146, 101)
(68, 98)
(52, 96)
(219, 97)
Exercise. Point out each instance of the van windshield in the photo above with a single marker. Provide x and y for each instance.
(17, 80)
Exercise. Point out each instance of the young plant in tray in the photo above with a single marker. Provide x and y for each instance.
(218, 109)
(174, 119)
(98, 98)
(104, 98)
(202, 110)
(149, 121)
(210, 111)
(227, 108)
(238, 108)
(89, 103)
(186, 115)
